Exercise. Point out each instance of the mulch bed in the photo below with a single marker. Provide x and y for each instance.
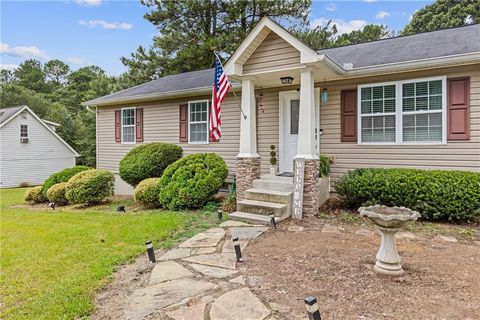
(442, 279)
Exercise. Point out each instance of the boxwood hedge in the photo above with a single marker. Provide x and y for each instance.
(148, 161)
(436, 194)
(34, 195)
(56, 194)
(61, 176)
(90, 187)
(147, 191)
(191, 181)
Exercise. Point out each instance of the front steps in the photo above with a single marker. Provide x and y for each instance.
(268, 195)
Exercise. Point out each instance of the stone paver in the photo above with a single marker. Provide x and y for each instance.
(233, 223)
(168, 270)
(406, 235)
(205, 250)
(295, 229)
(239, 280)
(247, 232)
(222, 260)
(175, 254)
(213, 271)
(238, 304)
(228, 245)
(332, 229)
(209, 238)
(193, 312)
(447, 238)
(145, 301)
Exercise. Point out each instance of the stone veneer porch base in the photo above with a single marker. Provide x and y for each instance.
(247, 170)
(310, 187)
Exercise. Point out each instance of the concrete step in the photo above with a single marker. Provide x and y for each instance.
(263, 207)
(269, 195)
(273, 184)
(253, 218)
(276, 178)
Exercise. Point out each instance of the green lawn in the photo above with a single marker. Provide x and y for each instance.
(52, 262)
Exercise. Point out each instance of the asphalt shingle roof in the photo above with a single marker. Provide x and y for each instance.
(6, 113)
(426, 45)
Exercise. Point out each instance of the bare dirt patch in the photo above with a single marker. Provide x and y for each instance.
(328, 260)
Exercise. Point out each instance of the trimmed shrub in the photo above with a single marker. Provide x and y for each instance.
(148, 161)
(56, 194)
(147, 192)
(34, 195)
(229, 204)
(90, 187)
(61, 176)
(436, 194)
(191, 181)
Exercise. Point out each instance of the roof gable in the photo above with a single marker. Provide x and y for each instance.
(26, 108)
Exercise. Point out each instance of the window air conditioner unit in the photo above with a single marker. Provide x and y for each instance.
(23, 140)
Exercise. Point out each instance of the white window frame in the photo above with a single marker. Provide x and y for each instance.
(21, 125)
(134, 125)
(399, 112)
(195, 122)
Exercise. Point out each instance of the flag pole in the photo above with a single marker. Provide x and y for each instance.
(233, 90)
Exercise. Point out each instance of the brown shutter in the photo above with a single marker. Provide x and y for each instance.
(139, 124)
(183, 136)
(458, 108)
(118, 126)
(349, 116)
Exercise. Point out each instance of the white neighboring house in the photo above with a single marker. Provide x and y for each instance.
(30, 149)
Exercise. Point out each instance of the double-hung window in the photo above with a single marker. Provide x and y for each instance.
(23, 131)
(411, 111)
(128, 125)
(198, 121)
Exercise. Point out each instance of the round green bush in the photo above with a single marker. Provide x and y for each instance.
(56, 194)
(34, 195)
(148, 161)
(90, 187)
(61, 176)
(147, 192)
(191, 181)
(435, 194)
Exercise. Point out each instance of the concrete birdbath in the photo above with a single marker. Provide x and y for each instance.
(388, 220)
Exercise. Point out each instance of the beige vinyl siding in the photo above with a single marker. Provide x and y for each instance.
(455, 155)
(272, 54)
(161, 124)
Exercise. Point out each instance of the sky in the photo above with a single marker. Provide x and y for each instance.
(100, 32)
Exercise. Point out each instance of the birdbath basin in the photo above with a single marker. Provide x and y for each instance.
(388, 220)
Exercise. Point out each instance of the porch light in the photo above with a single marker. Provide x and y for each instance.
(324, 96)
(286, 80)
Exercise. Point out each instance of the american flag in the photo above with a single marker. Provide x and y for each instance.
(221, 86)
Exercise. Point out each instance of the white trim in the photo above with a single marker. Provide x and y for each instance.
(75, 153)
(399, 112)
(134, 125)
(207, 122)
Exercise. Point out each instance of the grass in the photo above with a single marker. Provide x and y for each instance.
(52, 262)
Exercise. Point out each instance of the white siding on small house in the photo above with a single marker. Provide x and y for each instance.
(33, 162)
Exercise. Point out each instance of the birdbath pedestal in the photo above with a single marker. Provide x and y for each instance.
(388, 220)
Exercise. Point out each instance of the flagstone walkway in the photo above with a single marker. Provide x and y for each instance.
(200, 280)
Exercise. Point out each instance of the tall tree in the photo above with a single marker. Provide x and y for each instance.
(190, 30)
(444, 14)
(30, 75)
(56, 72)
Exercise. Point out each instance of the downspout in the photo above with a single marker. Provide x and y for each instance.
(96, 132)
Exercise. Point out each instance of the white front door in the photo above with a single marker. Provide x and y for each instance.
(290, 107)
(289, 123)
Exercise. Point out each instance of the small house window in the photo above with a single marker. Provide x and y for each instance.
(198, 116)
(128, 125)
(23, 133)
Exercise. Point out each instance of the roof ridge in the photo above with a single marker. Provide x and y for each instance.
(402, 36)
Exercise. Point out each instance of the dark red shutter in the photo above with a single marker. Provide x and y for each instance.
(118, 126)
(139, 124)
(458, 108)
(349, 115)
(183, 135)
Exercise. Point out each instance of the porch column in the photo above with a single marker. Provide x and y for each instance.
(306, 143)
(248, 160)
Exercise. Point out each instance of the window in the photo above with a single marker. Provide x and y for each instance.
(294, 113)
(410, 111)
(198, 121)
(23, 131)
(128, 125)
